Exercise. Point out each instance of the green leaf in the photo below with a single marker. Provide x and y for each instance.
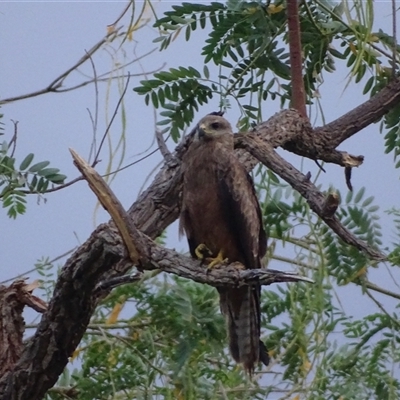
(367, 201)
(39, 166)
(179, 20)
(164, 122)
(154, 99)
(26, 162)
(153, 83)
(337, 54)
(202, 20)
(57, 178)
(368, 85)
(194, 72)
(206, 72)
(40, 185)
(359, 195)
(4, 147)
(161, 96)
(48, 171)
(159, 39)
(141, 89)
(33, 183)
(226, 64)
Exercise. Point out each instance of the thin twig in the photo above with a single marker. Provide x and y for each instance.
(394, 35)
(380, 306)
(13, 140)
(96, 109)
(162, 146)
(57, 188)
(119, 280)
(379, 289)
(130, 164)
(24, 274)
(124, 11)
(57, 82)
(111, 121)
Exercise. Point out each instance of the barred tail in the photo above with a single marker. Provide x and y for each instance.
(241, 306)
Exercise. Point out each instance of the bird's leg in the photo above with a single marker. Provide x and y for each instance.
(202, 251)
(217, 260)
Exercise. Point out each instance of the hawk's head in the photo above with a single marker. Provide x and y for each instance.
(213, 127)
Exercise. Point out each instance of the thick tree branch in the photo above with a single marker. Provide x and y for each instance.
(13, 299)
(360, 117)
(62, 326)
(316, 200)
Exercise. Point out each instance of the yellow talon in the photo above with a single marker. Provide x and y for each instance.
(217, 260)
(202, 251)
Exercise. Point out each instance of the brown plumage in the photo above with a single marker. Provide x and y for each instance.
(220, 210)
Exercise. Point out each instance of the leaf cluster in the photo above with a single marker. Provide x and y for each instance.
(169, 344)
(247, 42)
(17, 182)
(359, 215)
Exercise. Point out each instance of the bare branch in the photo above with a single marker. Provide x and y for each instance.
(124, 11)
(266, 154)
(111, 121)
(57, 82)
(360, 117)
(119, 280)
(233, 274)
(14, 138)
(56, 85)
(289, 130)
(110, 202)
(162, 146)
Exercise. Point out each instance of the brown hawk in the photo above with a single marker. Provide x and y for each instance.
(221, 214)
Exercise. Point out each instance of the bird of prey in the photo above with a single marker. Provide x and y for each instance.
(220, 214)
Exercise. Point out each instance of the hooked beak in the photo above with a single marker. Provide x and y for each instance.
(201, 132)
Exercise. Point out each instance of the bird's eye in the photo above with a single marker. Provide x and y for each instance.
(215, 125)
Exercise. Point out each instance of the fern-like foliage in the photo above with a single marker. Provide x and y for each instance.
(345, 262)
(180, 92)
(17, 182)
(245, 43)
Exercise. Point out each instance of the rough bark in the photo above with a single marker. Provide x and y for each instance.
(296, 60)
(104, 256)
(13, 299)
